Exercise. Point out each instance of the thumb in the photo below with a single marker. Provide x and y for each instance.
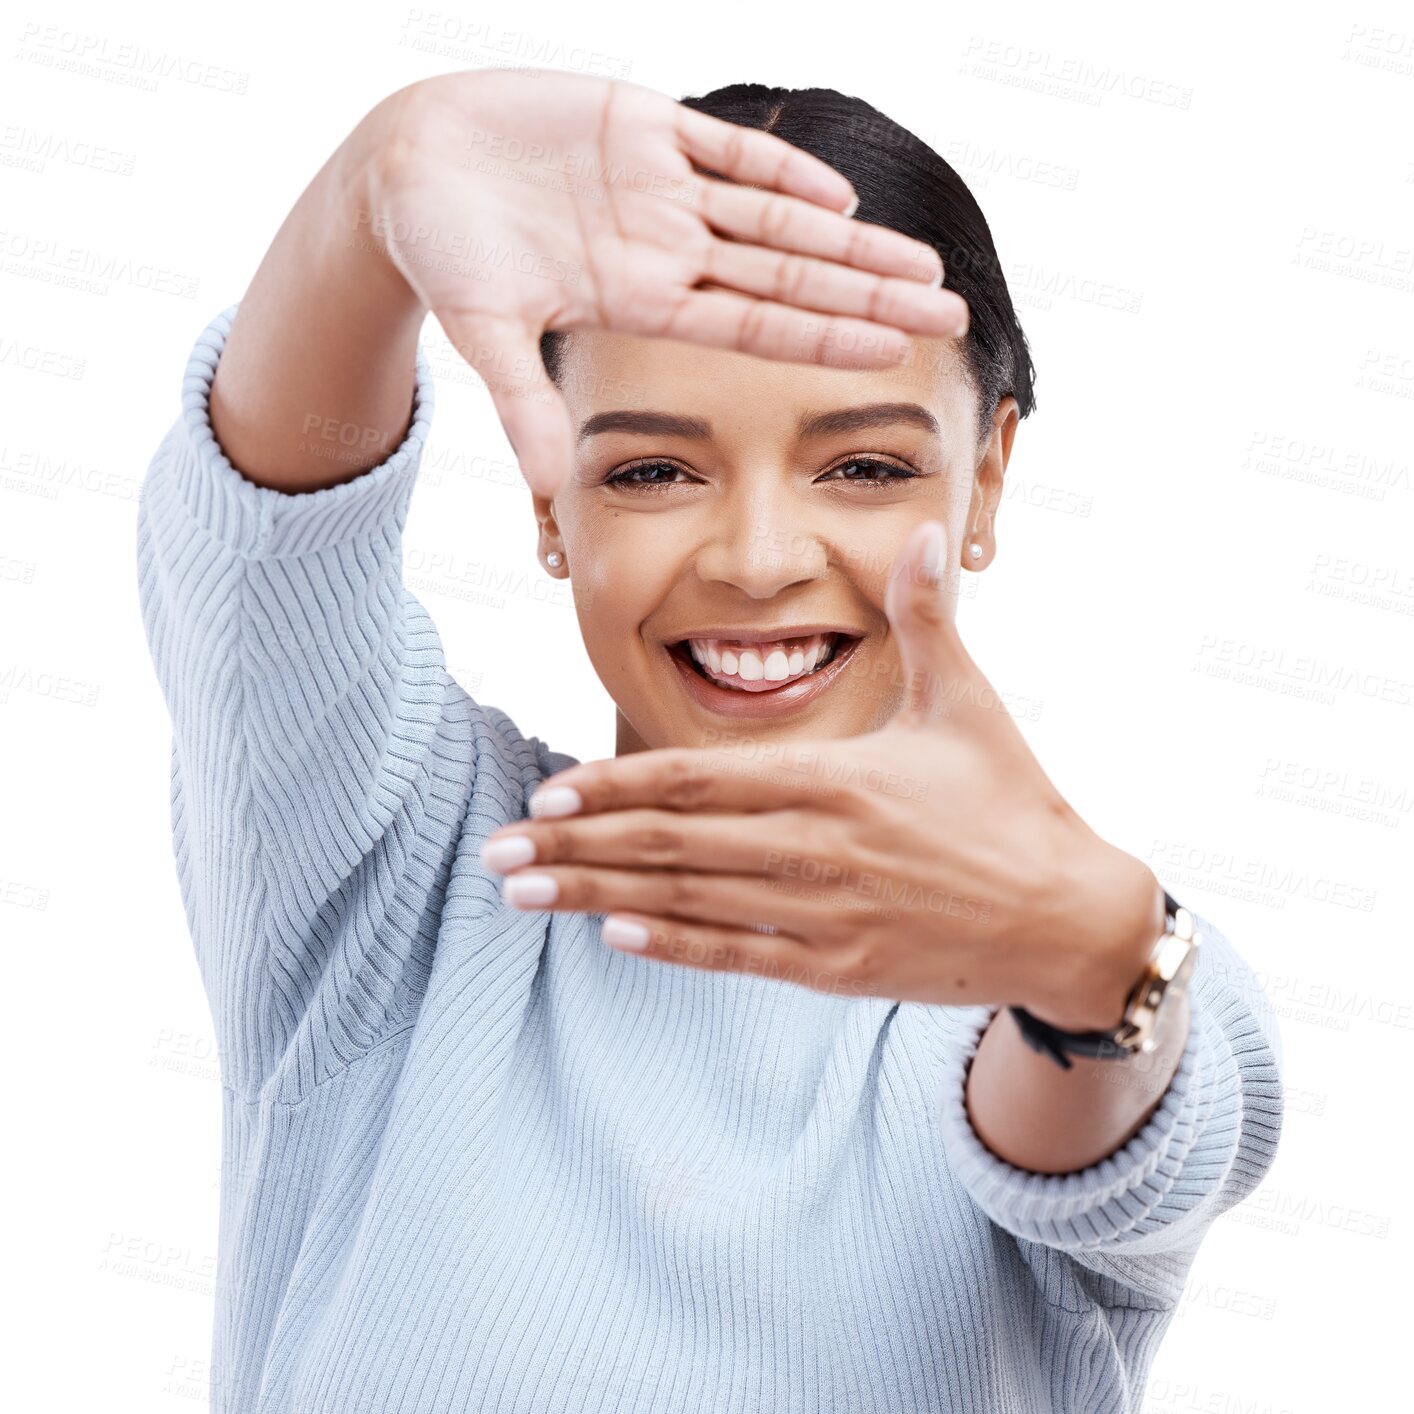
(506, 355)
(920, 601)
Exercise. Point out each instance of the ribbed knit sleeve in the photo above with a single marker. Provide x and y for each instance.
(318, 775)
(1139, 1214)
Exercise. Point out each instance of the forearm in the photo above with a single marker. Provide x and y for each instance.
(1027, 1109)
(315, 384)
(1036, 1115)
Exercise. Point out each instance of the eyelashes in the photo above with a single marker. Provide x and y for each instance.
(627, 479)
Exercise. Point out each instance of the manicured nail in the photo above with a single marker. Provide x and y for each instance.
(507, 853)
(625, 933)
(530, 890)
(557, 800)
(852, 207)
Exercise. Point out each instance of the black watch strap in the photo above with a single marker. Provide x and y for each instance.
(1061, 1045)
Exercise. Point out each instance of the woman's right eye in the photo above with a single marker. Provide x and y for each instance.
(629, 477)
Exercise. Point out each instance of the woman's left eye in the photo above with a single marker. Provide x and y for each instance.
(892, 472)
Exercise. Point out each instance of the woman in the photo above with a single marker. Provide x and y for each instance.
(697, 1079)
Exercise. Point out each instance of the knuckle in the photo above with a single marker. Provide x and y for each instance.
(734, 148)
(684, 893)
(931, 610)
(876, 294)
(576, 890)
(659, 845)
(854, 237)
(775, 219)
(752, 327)
(688, 784)
(791, 274)
(860, 962)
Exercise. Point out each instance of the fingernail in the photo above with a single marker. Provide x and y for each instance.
(530, 890)
(934, 547)
(624, 933)
(509, 852)
(557, 800)
(852, 207)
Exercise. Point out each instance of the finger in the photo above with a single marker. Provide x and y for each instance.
(506, 355)
(722, 899)
(727, 320)
(750, 155)
(770, 219)
(803, 282)
(775, 777)
(644, 838)
(941, 678)
(715, 949)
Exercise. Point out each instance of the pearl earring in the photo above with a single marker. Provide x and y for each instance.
(975, 550)
(553, 559)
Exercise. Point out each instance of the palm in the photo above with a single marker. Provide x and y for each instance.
(524, 202)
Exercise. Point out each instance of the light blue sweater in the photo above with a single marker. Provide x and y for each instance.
(474, 1159)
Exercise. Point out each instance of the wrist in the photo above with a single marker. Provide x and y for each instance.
(1105, 918)
(375, 151)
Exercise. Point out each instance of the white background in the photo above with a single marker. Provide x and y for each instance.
(1204, 589)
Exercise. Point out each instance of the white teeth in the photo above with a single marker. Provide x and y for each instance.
(765, 662)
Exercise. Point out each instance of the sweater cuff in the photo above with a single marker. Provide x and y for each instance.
(1177, 1160)
(259, 521)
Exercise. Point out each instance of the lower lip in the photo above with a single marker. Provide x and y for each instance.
(776, 702)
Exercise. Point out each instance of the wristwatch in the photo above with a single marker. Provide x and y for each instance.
(1164, 980)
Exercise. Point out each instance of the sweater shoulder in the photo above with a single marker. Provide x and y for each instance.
(519, 762)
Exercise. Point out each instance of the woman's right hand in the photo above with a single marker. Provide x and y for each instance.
(516, 202)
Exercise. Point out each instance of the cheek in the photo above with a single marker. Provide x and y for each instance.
(622, 569)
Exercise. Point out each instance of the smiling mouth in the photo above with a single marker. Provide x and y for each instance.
(761, 667)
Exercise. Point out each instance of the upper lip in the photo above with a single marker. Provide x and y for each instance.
(767, 635)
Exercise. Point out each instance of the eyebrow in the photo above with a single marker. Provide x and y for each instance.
(822, 424)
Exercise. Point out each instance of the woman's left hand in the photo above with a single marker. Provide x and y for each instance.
(932, 860)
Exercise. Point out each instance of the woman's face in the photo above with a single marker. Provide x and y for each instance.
(731, 520)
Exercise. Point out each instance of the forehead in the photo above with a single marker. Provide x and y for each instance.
(600, 370)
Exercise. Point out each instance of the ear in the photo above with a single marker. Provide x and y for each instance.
(549, 537)
(993, 456)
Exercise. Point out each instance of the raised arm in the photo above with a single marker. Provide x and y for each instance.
(324, 765)
(315, 382)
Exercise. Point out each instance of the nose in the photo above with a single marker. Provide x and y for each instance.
(762, 545)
